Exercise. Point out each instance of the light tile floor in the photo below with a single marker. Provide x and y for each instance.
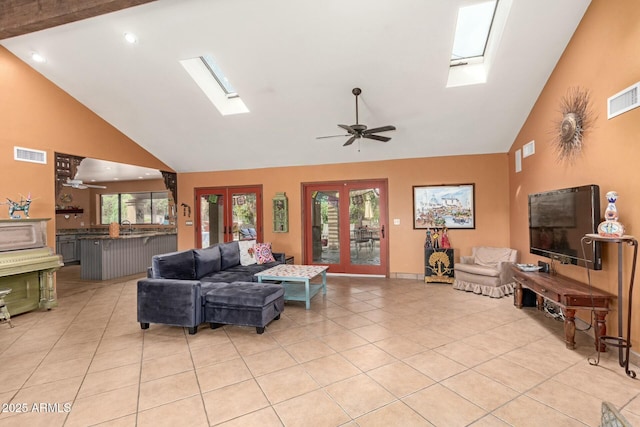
(373, 352)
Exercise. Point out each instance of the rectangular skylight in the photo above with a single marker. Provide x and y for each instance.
(472, 31)
(478, 33)
(217, 74)
(212, 81)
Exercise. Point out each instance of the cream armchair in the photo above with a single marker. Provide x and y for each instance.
(487, 271)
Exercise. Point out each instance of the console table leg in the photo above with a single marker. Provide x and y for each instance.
(570, 328)
(517, 295)
(601, 330)
(540, 302)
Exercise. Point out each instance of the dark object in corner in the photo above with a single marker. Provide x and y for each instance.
(545, 267)
(528, 297)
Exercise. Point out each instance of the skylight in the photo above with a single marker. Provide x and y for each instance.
(209, 77)
(472, 31)
(217, 74)
(478, 32)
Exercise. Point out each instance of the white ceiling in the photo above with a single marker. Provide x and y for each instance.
(294, 63)
(93, 170)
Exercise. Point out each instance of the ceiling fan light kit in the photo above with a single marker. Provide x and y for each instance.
(358, 130)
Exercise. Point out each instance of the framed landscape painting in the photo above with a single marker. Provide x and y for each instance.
(438, 206)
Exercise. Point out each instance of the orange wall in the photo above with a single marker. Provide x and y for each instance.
(35, 113)
(602, 57)
(488, 172)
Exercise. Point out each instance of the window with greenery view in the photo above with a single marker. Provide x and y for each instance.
(137, 208)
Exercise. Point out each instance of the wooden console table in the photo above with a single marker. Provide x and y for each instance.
(570, 295)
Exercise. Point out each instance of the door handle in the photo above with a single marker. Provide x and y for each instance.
(382, 231)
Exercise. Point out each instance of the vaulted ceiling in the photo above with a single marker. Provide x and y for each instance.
(294, 64)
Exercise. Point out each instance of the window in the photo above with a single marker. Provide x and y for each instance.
(137, 208)
(209, 77)
(472, 32)
(478, 32)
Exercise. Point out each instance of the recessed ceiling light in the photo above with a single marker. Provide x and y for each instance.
(37, 57)
(130, 38)
(115, 179)
(139, 177)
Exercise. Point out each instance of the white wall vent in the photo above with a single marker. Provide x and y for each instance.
(623, 101)
(30, 155)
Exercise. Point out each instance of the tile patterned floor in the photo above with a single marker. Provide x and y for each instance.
(373, 352)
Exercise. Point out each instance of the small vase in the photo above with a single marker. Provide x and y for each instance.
(610, 227)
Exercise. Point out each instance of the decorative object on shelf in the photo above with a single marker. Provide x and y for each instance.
(446, 244)
(66, 198)
(440, 206)
(438, 265)
(610, 227)
(577, 117)
(280, 213)
(23, 205)
(428, 241)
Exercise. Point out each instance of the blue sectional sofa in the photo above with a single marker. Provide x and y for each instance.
(182, 287)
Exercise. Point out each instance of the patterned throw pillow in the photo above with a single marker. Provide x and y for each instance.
(247, 256)
(263, 253)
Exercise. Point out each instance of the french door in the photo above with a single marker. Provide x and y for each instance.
(225, 214)
(345, 226)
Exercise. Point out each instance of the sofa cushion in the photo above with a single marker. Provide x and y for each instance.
(247, 252)
(230, 253)
(208, 260)
(175, 265)
(478, 269)
(263, 253)
(244, 294)
(490, 257)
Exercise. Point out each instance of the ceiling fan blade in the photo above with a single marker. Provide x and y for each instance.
(380, 129)
(93, 186)
(349, 129)
(330, 136)
(349, 141)
(377, 137)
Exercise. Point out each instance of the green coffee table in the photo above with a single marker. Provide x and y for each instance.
(293, 276)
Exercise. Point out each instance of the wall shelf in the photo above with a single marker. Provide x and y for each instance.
(69, 211)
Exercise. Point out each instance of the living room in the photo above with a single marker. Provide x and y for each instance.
(601, 57)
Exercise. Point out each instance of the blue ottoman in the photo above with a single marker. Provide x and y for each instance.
(243, 304)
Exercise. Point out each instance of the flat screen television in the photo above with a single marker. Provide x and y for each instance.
(559, 219)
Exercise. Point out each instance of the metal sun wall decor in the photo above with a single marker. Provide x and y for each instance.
(577, 118)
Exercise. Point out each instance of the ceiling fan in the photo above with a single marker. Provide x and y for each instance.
(358, 130)
(77, 183)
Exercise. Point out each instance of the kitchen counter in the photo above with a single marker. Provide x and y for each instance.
(104, 257)
(125, 235)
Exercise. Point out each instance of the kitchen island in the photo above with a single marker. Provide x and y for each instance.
(104, 257)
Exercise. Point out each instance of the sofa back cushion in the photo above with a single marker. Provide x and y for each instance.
(208, 260)
(175, 265)
(490, 257)
(230, 253)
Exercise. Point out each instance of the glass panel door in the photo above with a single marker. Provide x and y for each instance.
(349, 237)
(325, 231)
(364, 226)
(211, 224)
(226, 214)
(243, 215)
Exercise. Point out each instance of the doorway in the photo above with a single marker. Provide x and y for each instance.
(345, 226)
(225, 214)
